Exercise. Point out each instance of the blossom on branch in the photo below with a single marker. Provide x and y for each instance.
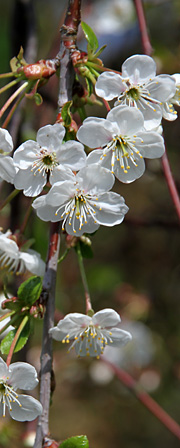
(123, 142)
(83, 202)
(7, 169)
(138, 87)
(19, 375)
(90, 335)
(17, 261)
(39, 162)
(169, 113)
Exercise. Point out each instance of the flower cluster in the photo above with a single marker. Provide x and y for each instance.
(19, 375)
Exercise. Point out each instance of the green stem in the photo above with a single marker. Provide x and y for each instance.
(6, 75)
(6, 315)
(84, 278)
(9, 198)
(64, 255)
(8, 86)
(11, 112)
(16, 337)
(8, 323)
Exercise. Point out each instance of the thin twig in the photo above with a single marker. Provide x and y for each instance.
(170, 183)
(146, 44)
(84, 279)
(145, 399)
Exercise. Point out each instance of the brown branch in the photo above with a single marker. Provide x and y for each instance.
(145, 399)
(170, 183)
(146, 44)
(48, 297)
(68, 44)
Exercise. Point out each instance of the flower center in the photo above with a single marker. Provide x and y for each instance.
(90, 340)
(45, 162)
(123, 149)
(133, 93)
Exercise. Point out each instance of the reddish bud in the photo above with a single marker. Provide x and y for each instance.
(39, 70)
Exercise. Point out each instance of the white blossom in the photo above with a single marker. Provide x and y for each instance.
(169, 113)
(6, 320)
(123, 142)
(18, 261)
(19, 375)
(7, 169)
(39, 162)
(83, 201)
(139, 87)
(90, 335)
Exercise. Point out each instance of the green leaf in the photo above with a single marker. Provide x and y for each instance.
(23, 338)
(75, 442)
(90, 36)
(100, 50)
(30, 290)
(66, 114)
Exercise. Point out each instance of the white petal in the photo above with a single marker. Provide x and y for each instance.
(31, 184)
(139, 68)
(51, 136)
(96, 133)
(152, 115)
(168, 111)
(162, 88)
(94, 156)
(9, 246)
(7, 169)
(60, 193)
(130, 120)
(120, 337)
(26, 154)
(89, 227)
(22, 376)
(6, 143)
(152, 146)
(72, 154)
(46, 212)
(3, 369)
(112, 209)
(133, 173)
(33, 262)
(61, 173)
(95, 179)
(106, 318)
(30, 409)
(109, 85)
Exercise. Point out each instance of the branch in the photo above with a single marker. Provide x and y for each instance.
(145, 399)
(146, 44)
(170, 183)
(48, 296)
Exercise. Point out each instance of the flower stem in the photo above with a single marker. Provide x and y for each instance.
(16, 337)
(11, 196)
(8, 86)
(6, 75)
(12, 98)
(145, 399)
(64, 255)
(146, 44)
(11, 112)
(83, 277)
(170, 183)
(8, 323)
(6, 315)
(27, 215)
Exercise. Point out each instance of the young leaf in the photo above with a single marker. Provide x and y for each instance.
(90, 36)
(23, 338)
(30, 290)
(75, 442)
(66, 114)
(89, 86)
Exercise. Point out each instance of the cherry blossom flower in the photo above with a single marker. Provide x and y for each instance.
(90, 335)
(83, 201)
(169, 113)
(17, 261)
(138, 87)
(19, 375)
(7, 169)
(39, 162)
(6, 320)
(123, 141)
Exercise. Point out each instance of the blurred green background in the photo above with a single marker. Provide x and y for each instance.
(136, 266)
